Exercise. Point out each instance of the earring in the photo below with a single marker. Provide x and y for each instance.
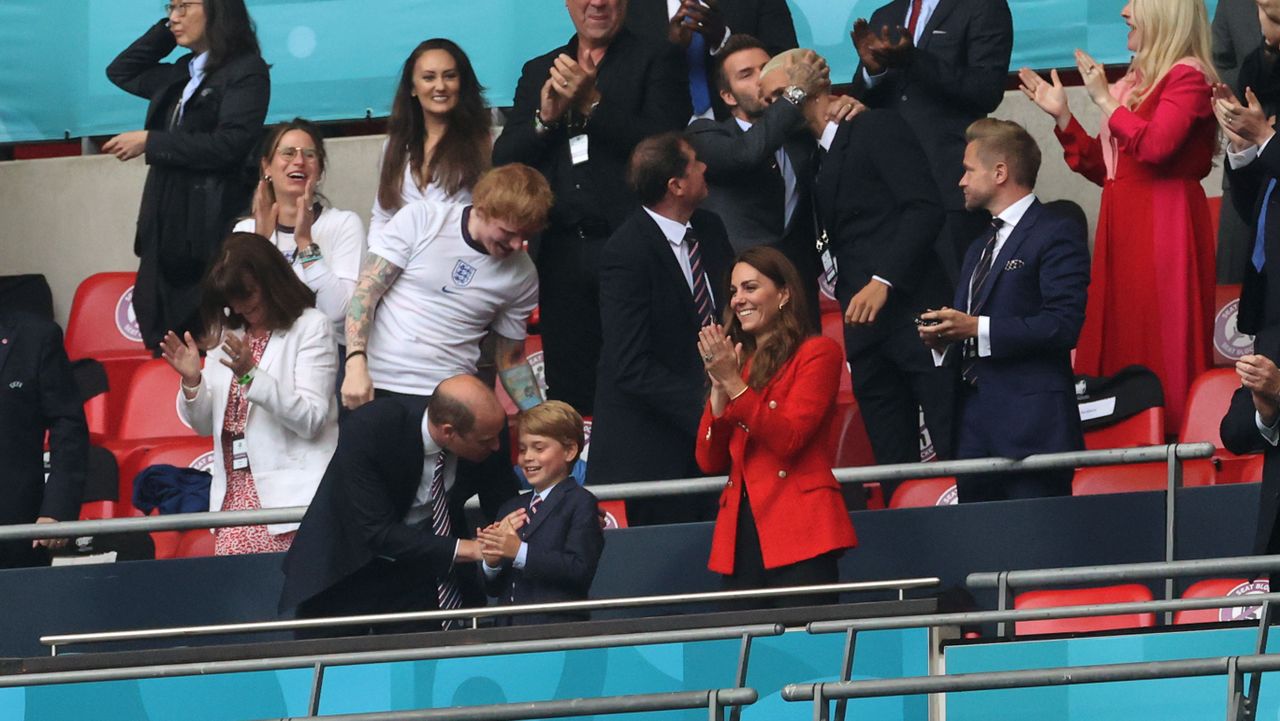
(781, 304)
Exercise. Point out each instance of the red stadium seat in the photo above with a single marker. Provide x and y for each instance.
(925, 492)
(195, 543)
(166, 543)
(833, 328)
(1131, 592)
(1097, 480)
(1215, 212)
(1207, 402)
(1229, 344)
(1144, 429)
(151, 405)
(615, 514)
(101, 324)
(1217, 588)
(195, 452)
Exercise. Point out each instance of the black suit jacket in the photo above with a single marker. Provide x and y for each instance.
(202, 172)
(651, 383)
(879, 206)
(957, 75)
(1240, 434)
(37, 394)
(1035, 297)
(746, 188)
(1260, 292)
(565, 542)
(358, 510)
(1236, 33)
(643, 93)
(769, 21)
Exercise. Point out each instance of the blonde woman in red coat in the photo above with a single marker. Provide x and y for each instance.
(782, 520)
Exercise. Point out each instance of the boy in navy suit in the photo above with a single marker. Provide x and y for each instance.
(548, 543)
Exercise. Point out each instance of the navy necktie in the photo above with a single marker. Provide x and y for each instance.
(969, 359)
(701, 293)
(447, 592)
(698, 92)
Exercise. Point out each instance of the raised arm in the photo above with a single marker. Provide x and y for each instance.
(138, 70)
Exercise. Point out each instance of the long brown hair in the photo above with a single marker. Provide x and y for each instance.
(250, 257)
(460, 156)
(792, 325)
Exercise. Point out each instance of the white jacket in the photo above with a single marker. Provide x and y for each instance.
(292, 427)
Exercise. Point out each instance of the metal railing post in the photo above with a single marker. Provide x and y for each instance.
(317, 680)
(820, 710)
(1002, 593)
(1260, 648)
(744, 657)
(1237, 702)
(1171, 518)
(846, 668)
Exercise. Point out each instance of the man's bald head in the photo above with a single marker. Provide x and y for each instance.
(466, 417)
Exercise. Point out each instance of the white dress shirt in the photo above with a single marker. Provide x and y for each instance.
(1248, 155)
(420, 510)
(673, 231)
(196, 68)
(1011, 216)
(926, 11)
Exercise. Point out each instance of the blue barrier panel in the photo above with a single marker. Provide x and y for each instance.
(775, 661)
(338, 59)
(1186, 699)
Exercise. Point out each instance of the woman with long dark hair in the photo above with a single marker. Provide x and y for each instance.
(266, 388)
(438, 135)
(768, 425)
(205, 117)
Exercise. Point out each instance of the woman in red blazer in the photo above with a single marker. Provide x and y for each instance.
(782, 519)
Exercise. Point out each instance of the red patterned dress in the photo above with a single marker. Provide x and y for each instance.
(242, 494)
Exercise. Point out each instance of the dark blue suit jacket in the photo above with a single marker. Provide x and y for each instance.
(565, 542)
(1035, 298)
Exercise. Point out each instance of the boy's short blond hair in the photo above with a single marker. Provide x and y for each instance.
(556, 420)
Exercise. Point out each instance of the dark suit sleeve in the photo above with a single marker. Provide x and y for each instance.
(1064, 284)
(729, 154)
(377, 519)
(63, 413)
(138, 69)
(1239, 428)
(575, 564)
(519, 142)
(901, 164)
(625, 280)
(664, 105)
(241, 112)
(978, 83)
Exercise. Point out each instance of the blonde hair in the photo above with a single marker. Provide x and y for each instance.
(1006, 141)
(1172, 30)
(556, 420)
(516, 194)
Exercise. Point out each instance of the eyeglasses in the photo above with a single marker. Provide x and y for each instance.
(178, 8)
(289, 153)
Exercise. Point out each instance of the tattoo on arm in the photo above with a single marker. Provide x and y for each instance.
(377, 274)
(516, 374)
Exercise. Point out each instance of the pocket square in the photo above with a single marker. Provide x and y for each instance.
(939, 32)
(1014, 264)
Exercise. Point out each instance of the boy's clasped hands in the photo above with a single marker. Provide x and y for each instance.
(501, 539)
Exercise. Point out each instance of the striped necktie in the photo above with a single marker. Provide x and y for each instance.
(701, 293)
(969, 361)
(534, 503)
(447, 592)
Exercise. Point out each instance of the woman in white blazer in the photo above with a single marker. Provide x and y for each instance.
(266, 389)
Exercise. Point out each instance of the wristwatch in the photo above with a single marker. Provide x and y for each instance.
(795, 94)
(312, 253)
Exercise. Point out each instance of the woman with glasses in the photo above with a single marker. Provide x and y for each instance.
(205, 116)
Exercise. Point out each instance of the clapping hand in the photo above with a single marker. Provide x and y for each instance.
(239, 356)
(693, 16)
(1094, 76)
(501, 539)
(722, 359)
(183, 355)
(878, 51)
(574, 83)
(1049, 97)
(265, 211)
(1245, 125)
(306, 215)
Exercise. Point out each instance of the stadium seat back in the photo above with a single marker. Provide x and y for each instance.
(1207, 403)
(101, 323)
(1144, 429)
(1138, 477)
(150, 408)
(195, 543)
(1218, 588)
(1124, 593)
(925, 492)
(833, 328)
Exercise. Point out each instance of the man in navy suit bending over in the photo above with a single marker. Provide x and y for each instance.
(1018, 310)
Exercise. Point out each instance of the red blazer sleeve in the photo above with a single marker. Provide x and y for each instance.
(1183, 100)
(712, 450)
(789, 427)
(1083, 152)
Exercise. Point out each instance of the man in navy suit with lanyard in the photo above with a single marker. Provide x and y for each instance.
(1018, 310)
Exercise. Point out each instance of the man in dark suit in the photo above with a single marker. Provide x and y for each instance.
(699, 31)
(878, 205)
(1252, 425)
(760, 162)
(1017, 315)
(579, 111)
(663, 276)
(946, 70)
(1236, 34)
(38, 394)
(385, 531)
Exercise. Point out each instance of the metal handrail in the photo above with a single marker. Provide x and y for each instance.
(899, 585)
(352, 658)
(713, 699)
(1124, 572)
(931, 620)
(644, 489)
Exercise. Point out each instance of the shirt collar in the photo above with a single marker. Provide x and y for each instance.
(196, 68)
(744, 124)
(429, 446)
(674, 230)
(828, 135)
(1012, 214)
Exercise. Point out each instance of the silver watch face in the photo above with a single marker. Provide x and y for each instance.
(794, 94)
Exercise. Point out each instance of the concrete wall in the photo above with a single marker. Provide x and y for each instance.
(71, 217)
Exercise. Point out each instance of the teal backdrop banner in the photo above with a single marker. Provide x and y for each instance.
(338, 59)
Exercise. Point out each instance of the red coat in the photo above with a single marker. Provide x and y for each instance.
(778, 442)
